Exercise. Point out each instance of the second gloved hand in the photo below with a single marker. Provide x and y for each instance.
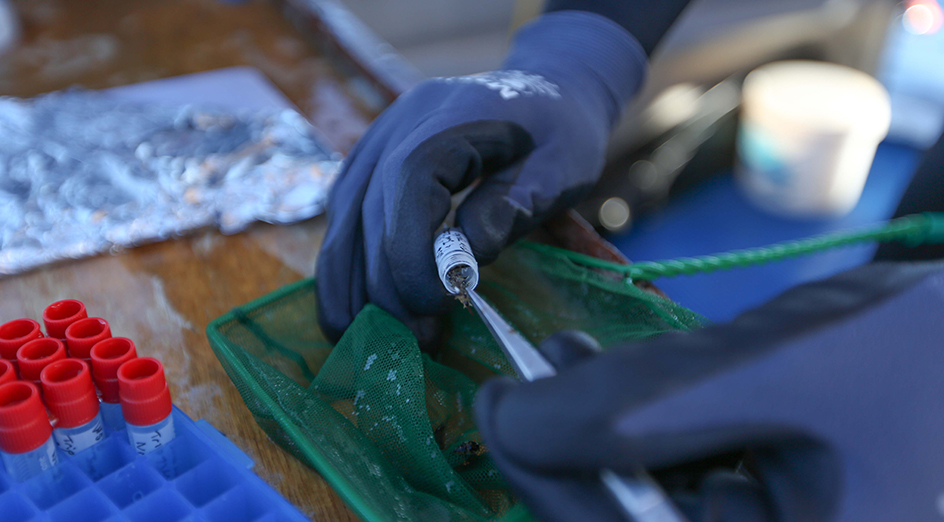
(532, 134)
(831, 393)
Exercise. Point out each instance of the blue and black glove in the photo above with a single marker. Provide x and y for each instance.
(830, 396)
(532, 135)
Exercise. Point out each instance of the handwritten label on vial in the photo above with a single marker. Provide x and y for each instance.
(145, 442)
(72, 441)
(452, 250)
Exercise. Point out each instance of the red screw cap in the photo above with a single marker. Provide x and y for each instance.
(107, 357)
(38, 354)
(16, 333)
(69, 393)
(7, 371)
(82, 335)
(145, 399)
(59, 315)
(24, 425)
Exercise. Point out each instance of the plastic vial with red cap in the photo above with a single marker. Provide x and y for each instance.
(146, 404)
(15, 334)
(107, 357)
(60, 315)
(83, 334)
(26, 444)
(37, 354)
(7, 371)
(70, 397)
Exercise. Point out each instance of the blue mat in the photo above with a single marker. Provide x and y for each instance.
(716, 217)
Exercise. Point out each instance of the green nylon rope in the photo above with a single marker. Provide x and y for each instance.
(913, 230)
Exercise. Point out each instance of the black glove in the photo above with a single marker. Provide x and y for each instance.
(833, 391)
(533, 134)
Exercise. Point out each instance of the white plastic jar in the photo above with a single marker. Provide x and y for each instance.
(808, 135)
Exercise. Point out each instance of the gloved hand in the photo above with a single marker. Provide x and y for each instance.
(833, 390)
(532, 134)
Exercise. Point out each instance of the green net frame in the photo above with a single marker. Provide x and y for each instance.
(391, 427)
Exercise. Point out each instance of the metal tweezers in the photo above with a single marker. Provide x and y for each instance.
(640, 497)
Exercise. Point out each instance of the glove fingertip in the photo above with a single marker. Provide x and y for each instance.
(332, 323)
(486, 217)
(339, 288)
(428, 332)
(487, 399)
(727, 496)
(568, 348)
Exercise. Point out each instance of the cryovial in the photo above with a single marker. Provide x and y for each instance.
(457, 267)
(37, 354)
(83, 334)
(60, 315)
(15, 334)
(145, 404)
(7, 371)
(26, 444)
(70, 397)
(107, 357)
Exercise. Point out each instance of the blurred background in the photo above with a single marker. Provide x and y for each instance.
(669, 188)
(684, 164)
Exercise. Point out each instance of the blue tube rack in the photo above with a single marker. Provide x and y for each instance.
(200, 476)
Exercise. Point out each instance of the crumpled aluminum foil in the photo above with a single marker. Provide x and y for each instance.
(81, 174)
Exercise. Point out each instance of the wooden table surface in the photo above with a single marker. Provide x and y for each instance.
(162, 296)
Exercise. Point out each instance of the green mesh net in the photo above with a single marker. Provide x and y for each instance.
(390, 427)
